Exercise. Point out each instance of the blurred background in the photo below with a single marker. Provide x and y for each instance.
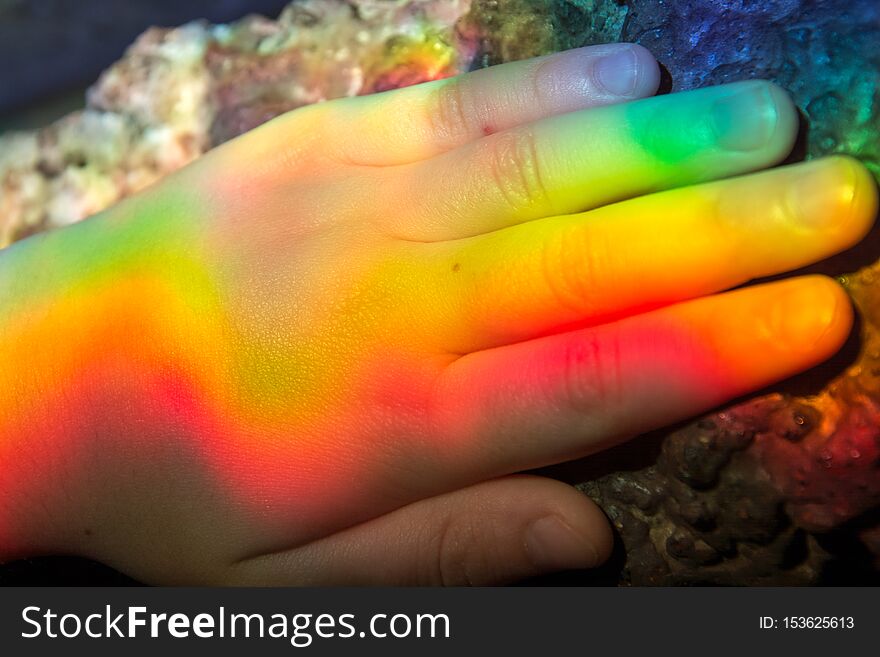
(51, 50)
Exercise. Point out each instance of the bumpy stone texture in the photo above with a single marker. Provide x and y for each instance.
(781, 489)
(784, 488)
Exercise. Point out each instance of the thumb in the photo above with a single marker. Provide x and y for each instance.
(490, 533)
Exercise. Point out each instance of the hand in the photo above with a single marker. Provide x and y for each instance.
(318, 354)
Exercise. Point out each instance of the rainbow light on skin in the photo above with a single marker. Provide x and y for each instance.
(672, 131)
(758, 222)
(170, 366)
(289, 380)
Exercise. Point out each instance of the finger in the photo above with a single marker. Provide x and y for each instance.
(564, 396)
(421, 121)
(490, 533)
(582, 160)
(586, 269)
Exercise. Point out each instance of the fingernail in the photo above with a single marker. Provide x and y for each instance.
(802, 315)
(553, 545)
(824, 192)
(745, 120)
(617, 72)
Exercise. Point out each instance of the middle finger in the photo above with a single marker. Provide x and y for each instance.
(585, 269)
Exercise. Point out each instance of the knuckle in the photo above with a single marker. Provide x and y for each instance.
(515, 169)
(591, 376)
(450, 112)
(454, 555)
(576, 269)
(299, 139)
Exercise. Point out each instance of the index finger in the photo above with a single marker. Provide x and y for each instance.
(417, 122)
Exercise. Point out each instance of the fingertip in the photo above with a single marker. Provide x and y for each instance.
(829, 320)
(800, 321)
(862, 194)
(571, 533)
(835, 195)
(761, 334)
(588, 518)
(753, 118)
(714, 132)
(648, 77)
(624, 71)
(787, 121)
(553, 545)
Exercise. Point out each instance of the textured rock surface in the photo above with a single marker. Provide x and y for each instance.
(784, 488)
(780, 489)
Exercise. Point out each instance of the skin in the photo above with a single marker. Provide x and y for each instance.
(319, 354)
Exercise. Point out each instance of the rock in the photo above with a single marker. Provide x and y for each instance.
(780, 489)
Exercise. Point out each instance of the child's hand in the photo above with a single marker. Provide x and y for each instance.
(317, 354)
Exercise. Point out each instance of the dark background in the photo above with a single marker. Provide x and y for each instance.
(51, 50)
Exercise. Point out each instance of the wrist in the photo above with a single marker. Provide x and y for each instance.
(72, 308)
(104, 349)
(40, 434)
